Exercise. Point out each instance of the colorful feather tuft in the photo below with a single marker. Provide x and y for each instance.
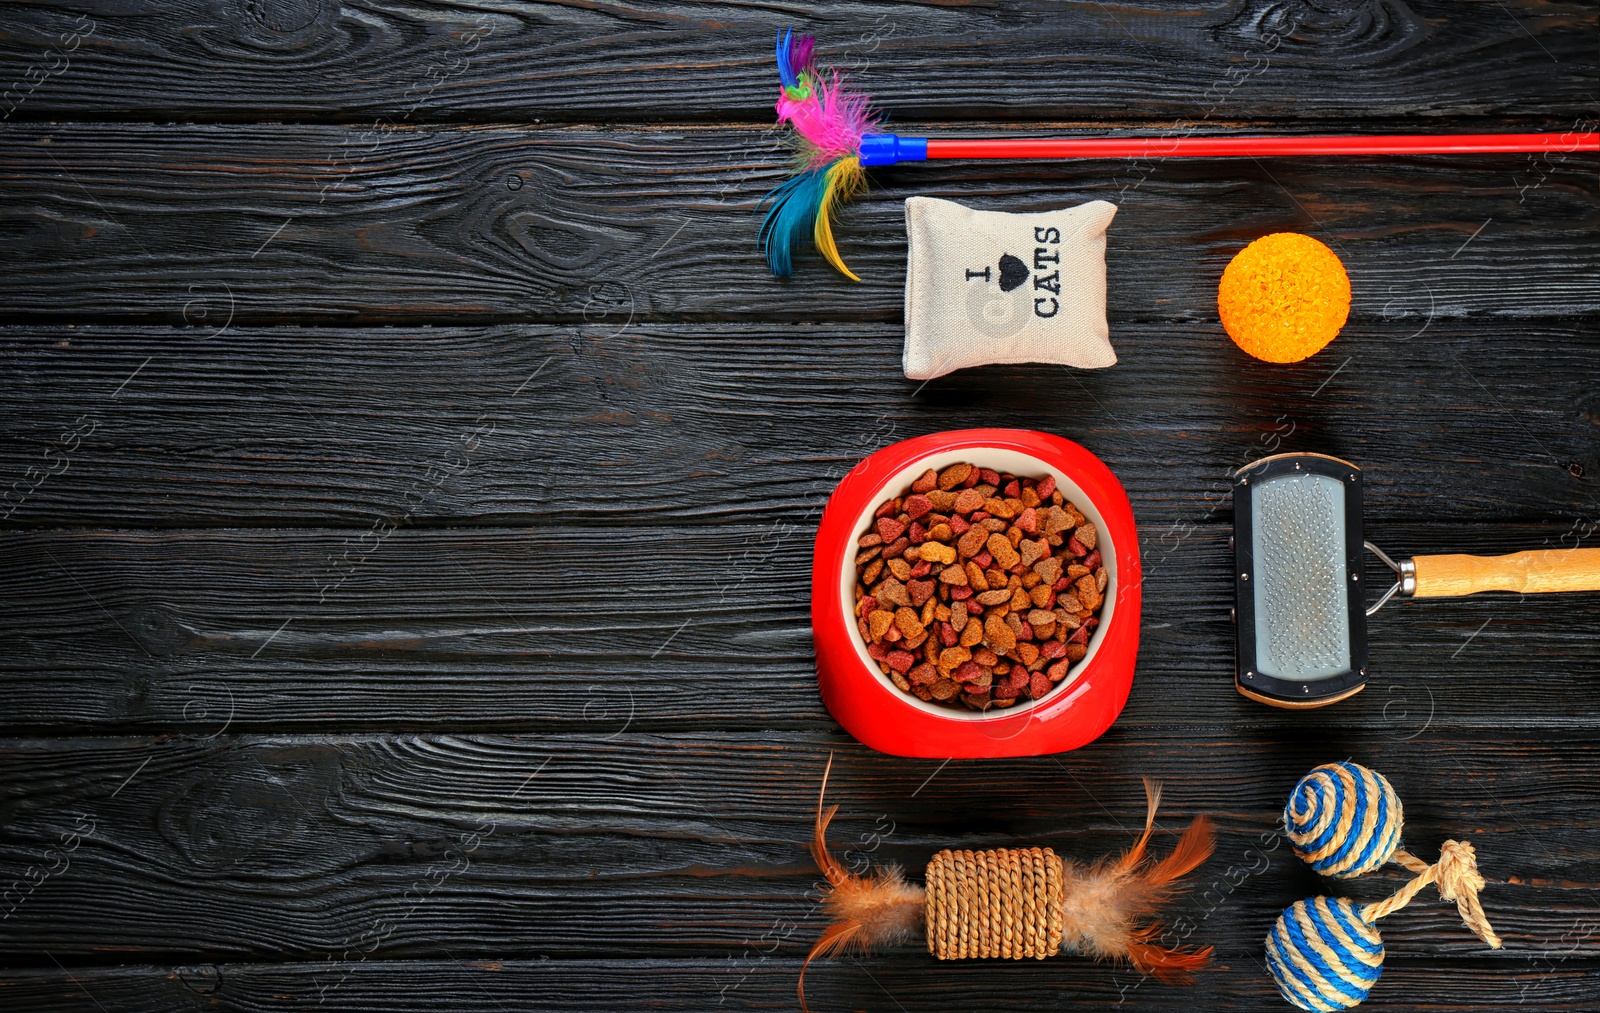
(827, 120)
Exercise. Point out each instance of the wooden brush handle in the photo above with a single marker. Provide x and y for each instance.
(1532, 572)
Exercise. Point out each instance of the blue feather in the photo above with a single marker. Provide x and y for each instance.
(786, 72)
(792, 219)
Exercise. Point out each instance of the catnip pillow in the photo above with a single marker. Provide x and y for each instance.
(996, 287)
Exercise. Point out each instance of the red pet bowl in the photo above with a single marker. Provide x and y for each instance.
(867, 704)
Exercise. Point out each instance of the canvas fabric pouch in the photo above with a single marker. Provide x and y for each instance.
(998, 287)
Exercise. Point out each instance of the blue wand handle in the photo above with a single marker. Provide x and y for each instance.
(887, 149)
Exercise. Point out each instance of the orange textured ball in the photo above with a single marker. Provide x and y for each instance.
(1284, 297)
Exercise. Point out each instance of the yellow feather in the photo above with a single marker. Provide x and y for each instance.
(846, 181)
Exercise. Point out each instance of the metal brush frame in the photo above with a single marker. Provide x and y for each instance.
(1284, 692)
(1405, 573)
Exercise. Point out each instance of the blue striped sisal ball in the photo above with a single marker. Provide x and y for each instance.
(1343, 819)
(1323, 954)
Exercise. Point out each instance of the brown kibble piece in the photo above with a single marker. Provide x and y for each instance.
(1029, 653)
(997, 507)
(1049, 570)
(900, 568)
(1040, 595)
(972, 635)
(1075, 652)
(1000, 548)
(975, 577)
(999, 635)
(971, 543)
(937, 552)
(958, 619)
(872, 571)
(892, 591)
(879, 622)
(944, 689)
(1086, 534)
(1088, 593)
(923, 675)
(995, 597)
(954, 657)
(1041, 617)
(967, 500)
(1032, 552)
(909, 622)
(954, 475)
(956, 575)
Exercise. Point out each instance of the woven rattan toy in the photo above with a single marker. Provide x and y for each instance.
(1015, 903)
(1344, 821)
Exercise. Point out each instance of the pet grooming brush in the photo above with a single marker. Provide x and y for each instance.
(1301, 614)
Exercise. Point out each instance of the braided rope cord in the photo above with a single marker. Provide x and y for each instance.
(1456, 872)
(1001, 903)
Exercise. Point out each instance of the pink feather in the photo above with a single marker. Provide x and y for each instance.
(830, 120)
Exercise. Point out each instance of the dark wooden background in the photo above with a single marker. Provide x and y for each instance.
(413, 469)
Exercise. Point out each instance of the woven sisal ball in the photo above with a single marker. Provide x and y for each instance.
(1323, 954)
(1343, 819)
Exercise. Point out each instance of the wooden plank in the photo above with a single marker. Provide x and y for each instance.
(699, 61)
(216, 225)
(293, 848)
(702, 424)
(752, 979)
(606, 630)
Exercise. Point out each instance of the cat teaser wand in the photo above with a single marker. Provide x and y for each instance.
(836, 140)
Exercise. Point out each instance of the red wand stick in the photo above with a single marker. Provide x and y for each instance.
(887, 149)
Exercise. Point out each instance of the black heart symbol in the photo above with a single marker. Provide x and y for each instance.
(1013, 272)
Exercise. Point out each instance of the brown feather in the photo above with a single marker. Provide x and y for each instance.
(1109, 905)
(863, 912)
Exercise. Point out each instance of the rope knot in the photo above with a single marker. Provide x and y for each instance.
(1458, 871)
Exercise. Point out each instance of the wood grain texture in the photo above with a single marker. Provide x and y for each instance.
(613, 423)
(1527, 572)
(277, 847)
(748, 978)
(408, 472)
(547, 61)
(612, 629)
(211, 225)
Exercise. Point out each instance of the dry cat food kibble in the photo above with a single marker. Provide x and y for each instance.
(977, 588)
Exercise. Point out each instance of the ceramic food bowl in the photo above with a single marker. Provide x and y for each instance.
(1078, 709)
